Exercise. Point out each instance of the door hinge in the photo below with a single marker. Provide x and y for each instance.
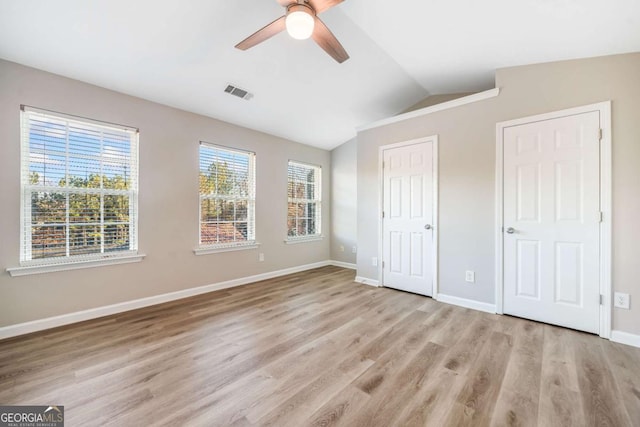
(382, 214)
(383, 164)
(601, 299)
(601, 216)
(600, 134)
(382, 264)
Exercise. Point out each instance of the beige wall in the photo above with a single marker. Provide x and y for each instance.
(467, 168)
(435, 99)
(168, 200)
(344, 202)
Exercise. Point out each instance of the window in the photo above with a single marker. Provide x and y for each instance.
(80, 189)
(227, 197)
(304, 194)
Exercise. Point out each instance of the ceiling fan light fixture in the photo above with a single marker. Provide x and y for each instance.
(300, 23)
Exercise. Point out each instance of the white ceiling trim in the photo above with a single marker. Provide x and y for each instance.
(480, 96)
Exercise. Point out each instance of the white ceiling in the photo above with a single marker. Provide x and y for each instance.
(181, 53)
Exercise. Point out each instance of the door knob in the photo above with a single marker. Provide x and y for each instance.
(511, 230)
(427, 227)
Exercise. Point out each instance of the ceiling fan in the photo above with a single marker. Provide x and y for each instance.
(301, 22)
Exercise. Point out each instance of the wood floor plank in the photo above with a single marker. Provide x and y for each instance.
(625, 364)
(560, 402)
(601, 398)
(465, 351)
(315, 348)
(408, 342)
(391, 398)
(474, 405)
(340, 408)
(295, 410)
(516, 405)
(451, 324)
(432, 401)
(292, 382)
(391, 335)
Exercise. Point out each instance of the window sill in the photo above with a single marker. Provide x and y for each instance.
(296, 240)
(206, 250)
(74, 265)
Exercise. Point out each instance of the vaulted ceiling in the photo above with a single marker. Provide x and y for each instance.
(182, 53)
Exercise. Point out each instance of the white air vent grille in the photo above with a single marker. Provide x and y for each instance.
(240, 93)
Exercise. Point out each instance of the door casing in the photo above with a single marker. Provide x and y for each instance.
(434, 140)
(604, 108)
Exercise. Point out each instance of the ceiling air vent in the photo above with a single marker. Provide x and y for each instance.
(240, 93)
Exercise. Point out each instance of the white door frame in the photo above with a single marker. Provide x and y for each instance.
(434, 140)
(604, 108)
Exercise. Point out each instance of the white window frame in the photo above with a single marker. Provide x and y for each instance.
(250, 243)
(316, 200)
(70, 262)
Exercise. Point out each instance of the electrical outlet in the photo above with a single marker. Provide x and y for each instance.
(374, 261)
(470, 276)
(354, 249)
(341, 248)
(261, 257)
(621, 300)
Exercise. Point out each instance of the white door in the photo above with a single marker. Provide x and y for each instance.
(552, 221)
(407, 237)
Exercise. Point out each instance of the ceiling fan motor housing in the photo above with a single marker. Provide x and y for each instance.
(300, 7)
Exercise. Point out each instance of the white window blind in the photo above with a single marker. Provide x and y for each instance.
(305, 199)
(227, 196)
(79, 188)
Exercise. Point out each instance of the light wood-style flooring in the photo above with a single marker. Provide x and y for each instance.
(317, 349)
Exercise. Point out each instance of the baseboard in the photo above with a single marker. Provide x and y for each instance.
(625, 338)
(94, 313)
(343, 264)
(467, 303)
(366, 281)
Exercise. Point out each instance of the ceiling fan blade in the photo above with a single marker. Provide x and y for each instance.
(263, 34)
(326, 40)
(321, 5)
(285, 3)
